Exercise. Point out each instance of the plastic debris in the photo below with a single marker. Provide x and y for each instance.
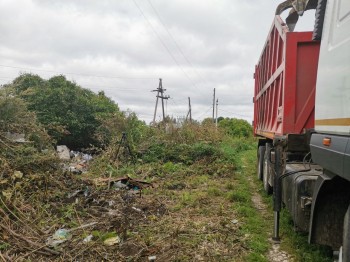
(75, 193)
(87, 239)
(152, 258)
(61, 235)
(137, 209)
(234, 221)
(18, 174)
(119, 185)
(86, 157)
(112, 241)
(63, 152)
(130, 183)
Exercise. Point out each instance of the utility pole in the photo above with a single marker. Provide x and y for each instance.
(189, 113)
(160, 94)
(214, 106)
(216, 117)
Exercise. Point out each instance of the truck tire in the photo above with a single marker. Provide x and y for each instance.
(267, 170)
(345, 250)
(260, 162)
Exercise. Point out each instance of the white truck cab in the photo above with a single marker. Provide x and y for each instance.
(332, 108)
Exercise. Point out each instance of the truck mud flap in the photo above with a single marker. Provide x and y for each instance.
(330, 202)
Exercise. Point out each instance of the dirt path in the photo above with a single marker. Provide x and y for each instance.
(275, 253)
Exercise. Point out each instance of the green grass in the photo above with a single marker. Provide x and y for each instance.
(252, 224)
(294, 243)
(297, 243)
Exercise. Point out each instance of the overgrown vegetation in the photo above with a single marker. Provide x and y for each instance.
(198, 205)
(73, 116)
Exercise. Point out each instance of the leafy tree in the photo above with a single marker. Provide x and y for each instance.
(71, 114)
(220, 118)
(207, 121)
(32, 154)
(236, 127)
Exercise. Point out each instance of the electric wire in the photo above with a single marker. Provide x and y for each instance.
(205, 112)
(77, 74)
(164, 45)
(232, 113)
(176, 105)
(175, 42)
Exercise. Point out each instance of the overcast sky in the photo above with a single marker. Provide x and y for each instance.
(124, 46)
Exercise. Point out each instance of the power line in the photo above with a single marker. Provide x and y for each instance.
(172, 37)
(233, 113)
(164, 45)
(176, 105)
(204, 112)
(78, 74)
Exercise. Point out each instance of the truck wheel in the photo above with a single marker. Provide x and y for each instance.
(260, 164)
(345, 250)
(267, 170)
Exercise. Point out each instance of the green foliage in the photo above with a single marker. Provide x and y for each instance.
(135, 129)
(14, 116)
(305, 251)
(181, 153)
(72, 115)
(239, 195)
(236, 127)
(4, 245)
(35, 152)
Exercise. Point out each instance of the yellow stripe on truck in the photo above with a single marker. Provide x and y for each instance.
(333, 122)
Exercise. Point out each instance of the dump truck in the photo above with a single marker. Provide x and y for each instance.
(302, 118)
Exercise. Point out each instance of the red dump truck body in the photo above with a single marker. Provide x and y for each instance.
(285, 81)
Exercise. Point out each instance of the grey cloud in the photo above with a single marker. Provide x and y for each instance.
(222, 39)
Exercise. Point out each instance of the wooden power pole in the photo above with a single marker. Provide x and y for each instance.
(214, 107)
(160, 94)
(216, 115)
(189, 113)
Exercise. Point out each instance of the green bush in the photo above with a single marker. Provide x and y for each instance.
(72, 115)
(236, 127)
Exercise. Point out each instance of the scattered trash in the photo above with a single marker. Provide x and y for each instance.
(74, 170)
(78, 161)
(152, 258)
(63, 152)
(112, 241)
(75, 193)
(126, 183)
(7, 194)
(130, 183)
(86, 157)
(119, 185)
(60, 236)
(137, 209)
(74, 154)
(234, 221)
(17, 174)
(86, 192)
(80, 155)
(87, 239)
